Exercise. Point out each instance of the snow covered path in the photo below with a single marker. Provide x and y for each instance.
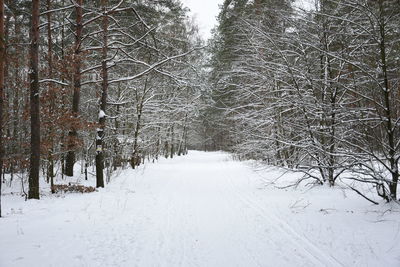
(198, 210)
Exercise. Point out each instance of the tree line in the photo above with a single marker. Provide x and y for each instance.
(312, 89)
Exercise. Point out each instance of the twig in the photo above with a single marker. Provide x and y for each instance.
(361, 194)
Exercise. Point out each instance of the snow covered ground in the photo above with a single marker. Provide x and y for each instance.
(203, 209)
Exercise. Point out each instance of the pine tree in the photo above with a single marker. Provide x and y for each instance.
(34, 103)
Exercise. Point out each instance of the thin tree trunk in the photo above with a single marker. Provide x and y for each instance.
(103, 103)
(34, 104)
(116, 155)
(393, 161)
(181, 145)
(2, 59)
(73, 134)
(62, 158)
(135, 160)
(16, 105)
(136, 155)
(158, 146)
(166, 145)
(172, 151)
(50, 167)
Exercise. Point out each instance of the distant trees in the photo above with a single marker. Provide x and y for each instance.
(313, 90)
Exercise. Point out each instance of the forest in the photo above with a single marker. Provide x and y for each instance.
(109, 84)
(316, 90)
(129, 138)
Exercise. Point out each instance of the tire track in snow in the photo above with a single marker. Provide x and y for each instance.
(231, 203)
(172, 227)
(316, 255)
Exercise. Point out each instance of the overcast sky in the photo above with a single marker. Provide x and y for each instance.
(205, 12)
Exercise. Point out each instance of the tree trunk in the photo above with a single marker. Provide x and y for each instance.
(16, 105)
(73, 134)
(2, 59)
(136, 160)
(34, 104)
(103, 103)
(172, 150)
(50, 167)
(62, 145)
(391, 143)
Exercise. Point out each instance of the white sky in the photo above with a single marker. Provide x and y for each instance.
(306, 4)
(205, 13)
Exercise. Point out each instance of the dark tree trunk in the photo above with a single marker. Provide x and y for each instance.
(391, 142)
(116, 155)
(172, 151)
(2, 59)
(136, 160)
(50, 167)
(62, 158)
(34, 104)
(166, 144)
(73, 134)
(181, 147)
(16, 105)
(103, 103)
